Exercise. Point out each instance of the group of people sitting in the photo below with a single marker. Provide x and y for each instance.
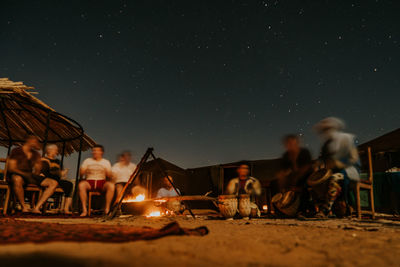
(338, 156)
(322, 187)
(27, 167)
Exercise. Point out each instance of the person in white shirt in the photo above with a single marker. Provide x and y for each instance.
(167, 190)
(122, 171)
(96, 170)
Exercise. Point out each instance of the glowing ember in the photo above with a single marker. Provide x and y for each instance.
(138, 198)
(154, 214)
(265, 207)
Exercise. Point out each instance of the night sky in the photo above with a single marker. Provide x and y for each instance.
(208, 82)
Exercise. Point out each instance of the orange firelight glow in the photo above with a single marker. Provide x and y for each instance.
(138, 198)
(265, 207)
(154, 214)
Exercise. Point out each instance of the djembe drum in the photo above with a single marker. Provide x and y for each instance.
(227, 205)
(244, 205)
(288, 203)
(319, 183)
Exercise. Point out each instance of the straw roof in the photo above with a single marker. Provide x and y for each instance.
(23, 114)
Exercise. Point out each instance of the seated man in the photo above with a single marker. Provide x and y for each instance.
(245, 184)
(96, 170)
(339, 153)
(167, 190)
(24, 167)
(51, 168)
(122, 171)
(296, 167)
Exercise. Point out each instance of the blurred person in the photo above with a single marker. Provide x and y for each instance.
(296, 167)
(245, 184)
(296, 164)
(24, 167)
(339, 154)
(167, 190)
(96, 171)
(122, 171)
(51, 168)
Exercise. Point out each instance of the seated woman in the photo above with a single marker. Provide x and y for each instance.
(51, 169)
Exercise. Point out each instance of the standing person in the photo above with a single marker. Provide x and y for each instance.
(339, 154)
(122, 171)
(245, 184)
(51, 168)
(24, 167)
(96, 170)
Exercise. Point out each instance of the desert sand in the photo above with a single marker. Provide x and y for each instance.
(256, 242)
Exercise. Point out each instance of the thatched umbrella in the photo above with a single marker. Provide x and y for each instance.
(22, 114)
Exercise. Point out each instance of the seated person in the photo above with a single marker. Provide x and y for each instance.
(167, 190)
(24, 167)
(245, 184)
(96, 170)
(51, 168)
(339, 153)
(296, 165)
(122, 171)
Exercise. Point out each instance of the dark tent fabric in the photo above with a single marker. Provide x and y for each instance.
(386, 143)
(152, 176)
(215, 178)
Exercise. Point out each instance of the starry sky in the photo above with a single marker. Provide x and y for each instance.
(208, 82)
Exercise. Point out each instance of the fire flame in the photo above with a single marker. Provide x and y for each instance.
(154, 214)
(138, 198)
(265, 207)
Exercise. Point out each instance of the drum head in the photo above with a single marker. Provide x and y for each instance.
(319, 177)
(287, 198)
(276, 198)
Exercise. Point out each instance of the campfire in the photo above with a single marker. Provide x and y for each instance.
(150, 208)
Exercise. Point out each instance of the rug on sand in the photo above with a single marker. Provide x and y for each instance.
(19, 231)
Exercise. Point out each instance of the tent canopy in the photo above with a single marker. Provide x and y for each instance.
(389, 142)
(22, 114)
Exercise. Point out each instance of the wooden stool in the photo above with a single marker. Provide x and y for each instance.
(36, 190)
(91, 194)
(4, 186)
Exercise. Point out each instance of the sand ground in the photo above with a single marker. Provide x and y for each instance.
(259, 242)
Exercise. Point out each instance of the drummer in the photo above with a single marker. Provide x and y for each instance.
(296, 165)
(245, 184)
(339, 153)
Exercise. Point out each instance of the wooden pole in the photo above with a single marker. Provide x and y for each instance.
(46, 133)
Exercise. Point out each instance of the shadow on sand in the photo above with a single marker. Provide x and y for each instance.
(47, 260)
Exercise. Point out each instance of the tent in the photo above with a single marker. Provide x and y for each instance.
(151, 176)
(215, 178)
(385, 150)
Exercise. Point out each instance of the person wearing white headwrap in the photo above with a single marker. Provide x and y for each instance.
(339, 153)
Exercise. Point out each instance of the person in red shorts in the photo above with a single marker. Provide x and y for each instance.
(96, 170)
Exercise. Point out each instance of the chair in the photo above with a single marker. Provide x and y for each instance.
(91, 194)
(36, 193)
(4, 185)
(369, 186)
(60, 200)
